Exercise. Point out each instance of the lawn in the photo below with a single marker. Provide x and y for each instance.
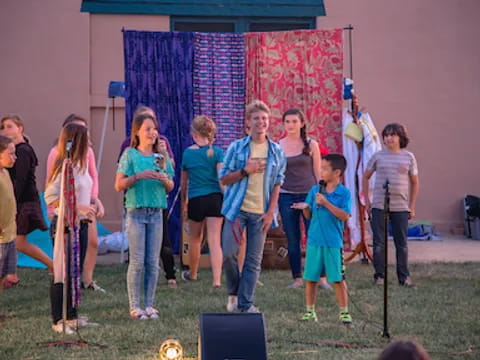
(442, 313)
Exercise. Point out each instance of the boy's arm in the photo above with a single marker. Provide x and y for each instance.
(414, 187)
(366, 188)
(307, 213)
(304, 207)
(267, 218)
(336, 211)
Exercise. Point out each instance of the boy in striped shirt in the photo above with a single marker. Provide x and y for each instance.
(399, 166)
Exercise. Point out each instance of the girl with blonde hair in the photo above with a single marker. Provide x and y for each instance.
(203, 199)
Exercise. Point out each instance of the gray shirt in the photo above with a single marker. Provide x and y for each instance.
(397, 167)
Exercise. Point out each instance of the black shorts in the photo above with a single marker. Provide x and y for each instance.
(30, 217)
(201, 207)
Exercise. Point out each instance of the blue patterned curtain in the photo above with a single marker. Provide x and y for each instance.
(219, 82)
(159, 73)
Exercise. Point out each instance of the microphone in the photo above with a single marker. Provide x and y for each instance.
(386, 185)
(321, 186)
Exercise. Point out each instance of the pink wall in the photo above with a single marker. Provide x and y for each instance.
(417, 63)
(44, 67)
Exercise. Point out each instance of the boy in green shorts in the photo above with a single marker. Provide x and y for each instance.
(328, 206)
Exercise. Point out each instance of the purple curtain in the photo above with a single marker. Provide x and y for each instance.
(219, 82)
(159, 73)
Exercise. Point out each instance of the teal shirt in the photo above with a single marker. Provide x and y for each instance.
(325, 228)
(202, 170)
(146, 192)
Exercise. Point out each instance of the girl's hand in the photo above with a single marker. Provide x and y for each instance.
(100, 209)
(162, 146)
(147, 174)
(299, 206)
(162, 177)
(88, 211)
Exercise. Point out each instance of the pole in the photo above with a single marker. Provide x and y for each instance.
(102, 139)
(386, 211)
(349, 28)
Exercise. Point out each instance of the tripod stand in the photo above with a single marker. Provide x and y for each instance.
(386, 211)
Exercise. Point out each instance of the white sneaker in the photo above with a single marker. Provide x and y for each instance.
(232, 303)
(151, 312)
(58, 327)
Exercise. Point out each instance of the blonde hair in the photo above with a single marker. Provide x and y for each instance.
(255, 106)
(204, 126)
(18, 121)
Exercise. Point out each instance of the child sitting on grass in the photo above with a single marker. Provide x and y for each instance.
(328, 206)
(8, 211)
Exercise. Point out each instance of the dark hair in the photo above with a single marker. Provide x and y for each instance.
(4, 142)
(303, 129)
(337, 162)
(404, 350)
(137, 124)
(397, 129)
(73, 117)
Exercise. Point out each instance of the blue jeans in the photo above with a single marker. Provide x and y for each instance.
(243, 284)
(144, 227)
(399, 222)
(291, 226)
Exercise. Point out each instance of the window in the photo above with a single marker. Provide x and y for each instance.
(240, 24)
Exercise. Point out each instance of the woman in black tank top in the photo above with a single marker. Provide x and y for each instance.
(302, 173)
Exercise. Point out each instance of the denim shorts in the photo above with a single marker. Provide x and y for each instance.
(8, 258)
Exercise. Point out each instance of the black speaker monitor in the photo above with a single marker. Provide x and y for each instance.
(227, 336)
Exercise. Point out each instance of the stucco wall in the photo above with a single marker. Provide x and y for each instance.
(415, 62)
(44, 67)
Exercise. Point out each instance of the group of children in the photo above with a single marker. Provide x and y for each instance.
(242, 187)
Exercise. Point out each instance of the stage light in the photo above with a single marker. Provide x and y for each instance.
(171, 350)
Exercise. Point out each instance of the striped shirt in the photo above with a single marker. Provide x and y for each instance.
(235, 159)
(397, 167)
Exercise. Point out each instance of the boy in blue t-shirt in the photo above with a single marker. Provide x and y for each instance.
(328, 206)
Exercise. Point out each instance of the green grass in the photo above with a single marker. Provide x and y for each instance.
(442, 313)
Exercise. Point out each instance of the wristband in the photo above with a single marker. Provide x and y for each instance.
(243, 172)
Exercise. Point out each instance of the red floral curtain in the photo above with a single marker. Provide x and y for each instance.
(301, 68)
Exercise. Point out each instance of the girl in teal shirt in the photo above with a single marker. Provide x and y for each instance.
(200, 165)
(146, 175)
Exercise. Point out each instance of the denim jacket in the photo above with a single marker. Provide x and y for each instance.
(235, 159)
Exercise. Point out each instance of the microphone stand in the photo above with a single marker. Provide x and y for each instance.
(386, 211)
